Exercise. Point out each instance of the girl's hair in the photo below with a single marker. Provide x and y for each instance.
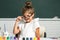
(28, 7)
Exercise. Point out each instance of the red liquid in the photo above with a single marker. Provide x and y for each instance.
(38, 38)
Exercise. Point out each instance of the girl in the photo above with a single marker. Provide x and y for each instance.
(26, 25)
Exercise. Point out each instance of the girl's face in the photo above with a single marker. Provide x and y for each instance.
(28, 16)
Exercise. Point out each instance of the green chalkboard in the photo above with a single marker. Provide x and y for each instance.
(43, 8)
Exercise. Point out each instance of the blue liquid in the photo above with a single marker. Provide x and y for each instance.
(27, 38)
(14, 38)
(11, 38)
(30, 38)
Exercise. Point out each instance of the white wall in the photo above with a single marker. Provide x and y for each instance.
(52, 25)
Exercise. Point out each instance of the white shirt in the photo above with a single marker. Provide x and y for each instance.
(28, 29)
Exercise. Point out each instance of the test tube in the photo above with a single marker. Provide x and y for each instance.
(14, 38)
(1, 38)
(8, 38)
(4, 38)
(27, 38)
(23, 38)
(38, 38)
(35, 38)
(30, 38)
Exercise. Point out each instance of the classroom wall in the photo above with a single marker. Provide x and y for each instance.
(52, 25)
(43, 8)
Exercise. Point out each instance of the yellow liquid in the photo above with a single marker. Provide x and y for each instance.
(35, 38)
(1, 38)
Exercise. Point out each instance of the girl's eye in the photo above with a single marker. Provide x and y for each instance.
(24, 17)
(28, 16)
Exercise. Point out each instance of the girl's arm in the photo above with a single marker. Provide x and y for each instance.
(37, 32)
(16, 27)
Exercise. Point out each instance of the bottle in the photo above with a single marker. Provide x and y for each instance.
(0, 37)
(8, 38)
(35, 38)
(44, 34)
(4, 38)
(5, 33)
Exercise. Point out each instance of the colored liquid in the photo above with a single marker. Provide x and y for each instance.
(35, 38)
(27, 38)
(8, 38)
(11, 38)
(30, 38)
(23, 38)
(14, 38)
(38, 38)
(0, 38)
(4, 38)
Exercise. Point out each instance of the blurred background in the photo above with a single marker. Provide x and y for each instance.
(43, 8)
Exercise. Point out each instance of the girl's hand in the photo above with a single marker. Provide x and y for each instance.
(19, 18)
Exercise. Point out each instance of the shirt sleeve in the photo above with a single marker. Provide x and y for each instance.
(36, 24)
